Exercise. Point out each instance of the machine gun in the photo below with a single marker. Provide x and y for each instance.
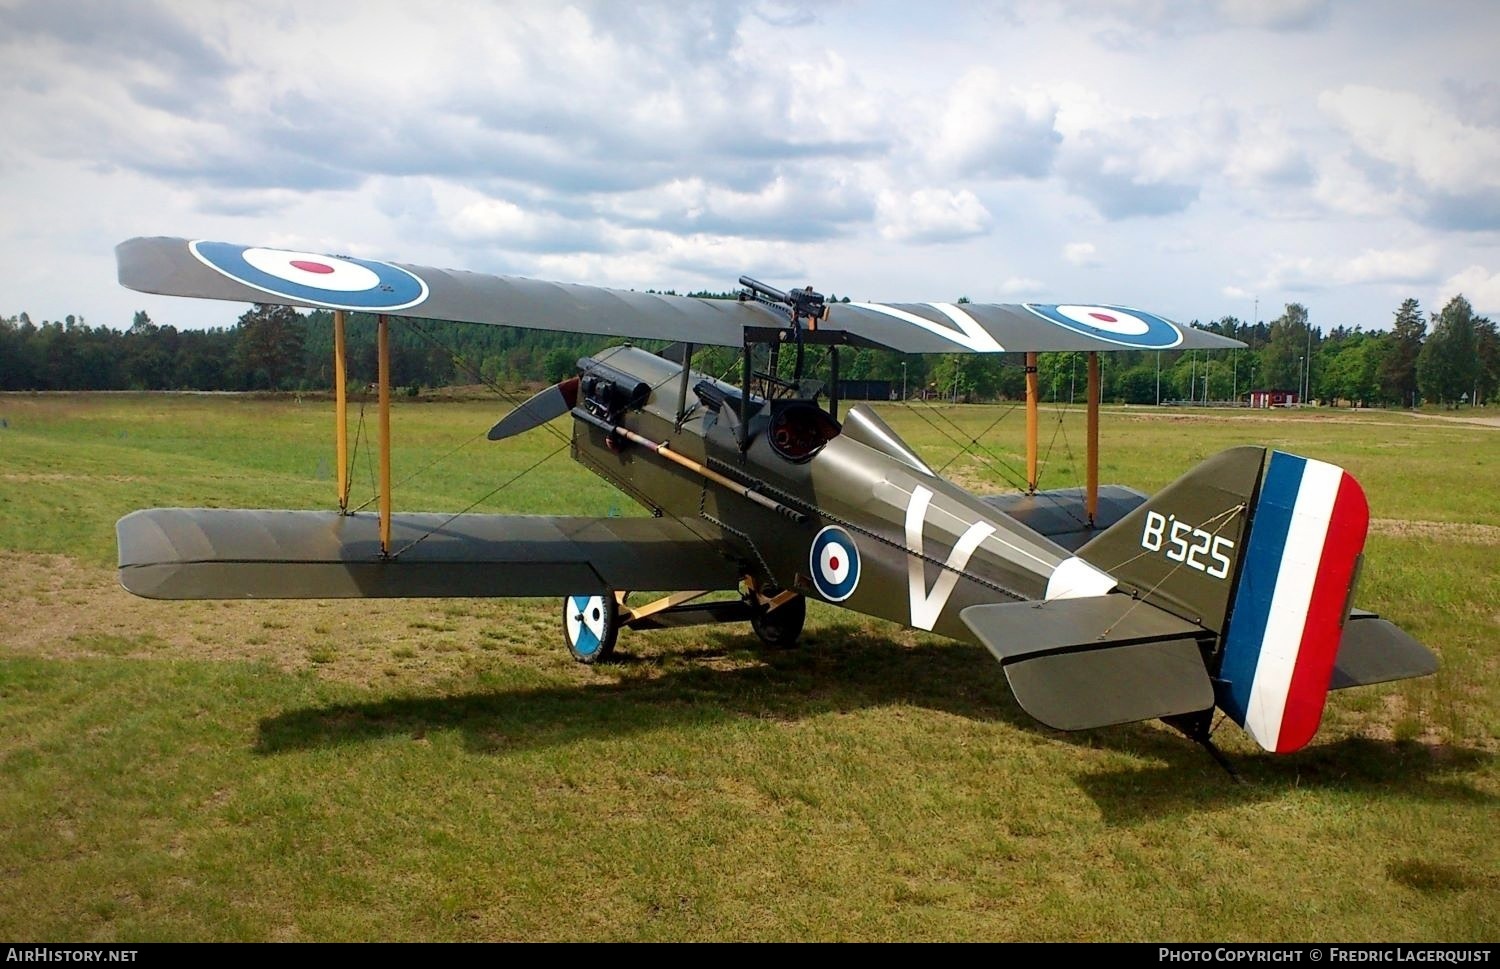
(799, 304)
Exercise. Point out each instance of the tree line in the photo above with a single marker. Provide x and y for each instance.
(1451, 357)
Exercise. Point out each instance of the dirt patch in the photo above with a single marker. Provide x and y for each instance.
(1463, 532)
(24, 477)
(57, 608)
(1220, 415)
(1479, 421)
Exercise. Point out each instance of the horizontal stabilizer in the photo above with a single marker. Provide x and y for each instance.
(1375, 650)
(1061, 514)
(208, 553)
(1075, 664)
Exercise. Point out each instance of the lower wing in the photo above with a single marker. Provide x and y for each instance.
(210, 553)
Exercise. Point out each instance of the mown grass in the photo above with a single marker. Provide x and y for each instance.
(439, 769)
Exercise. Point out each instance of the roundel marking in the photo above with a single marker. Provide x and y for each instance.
(586, 623)
(336, 282)
(834, 563)
(1112, 324)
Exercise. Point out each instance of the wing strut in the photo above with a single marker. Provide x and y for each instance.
(1091, 496)
(384, 350)
(341, 410)
(1031, 421)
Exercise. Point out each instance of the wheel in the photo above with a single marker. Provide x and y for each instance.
(780, 627)
(590, 626)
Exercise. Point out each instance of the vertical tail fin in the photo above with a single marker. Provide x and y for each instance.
(1264, 553)
(1293, 595)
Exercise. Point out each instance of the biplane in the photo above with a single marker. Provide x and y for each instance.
(1231, 589)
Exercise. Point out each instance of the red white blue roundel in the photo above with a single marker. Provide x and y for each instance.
(1113, 324)
(336, 282)
(834, 563)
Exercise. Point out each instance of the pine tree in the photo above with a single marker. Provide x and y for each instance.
(1449, 361)
(1398, 372)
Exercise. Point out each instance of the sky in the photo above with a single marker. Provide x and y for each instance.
(1195, 158)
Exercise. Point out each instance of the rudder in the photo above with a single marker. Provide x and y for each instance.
(1263, 552)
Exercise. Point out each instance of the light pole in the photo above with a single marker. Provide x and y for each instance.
(1301, 369)
(1307, 373)
(903, 379)
(1158, 378)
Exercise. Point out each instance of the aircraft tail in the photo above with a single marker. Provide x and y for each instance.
(1231, 587)
(1263, 552)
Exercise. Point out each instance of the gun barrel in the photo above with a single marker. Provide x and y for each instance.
(756, 286)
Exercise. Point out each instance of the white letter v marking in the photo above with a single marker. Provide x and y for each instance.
(927, 607)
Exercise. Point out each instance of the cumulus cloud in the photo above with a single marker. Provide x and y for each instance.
(1135, 165)
(931, 215)
(992, 129)
(1305, 273)
(563, 99)
(1476, 283)
(1129, 24)
(1081, 254)
(1452, 167)
(678, 144)
(1022, 286)
(806, 204)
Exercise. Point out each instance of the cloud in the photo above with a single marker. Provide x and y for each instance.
(1478, 284)
(795, 201)
(931, 215)
(562, 99)
(991, 129)
(1450, 167)
(1277, 15)
(1081, 254)
(1134, 165)
(1266, 153)
(1310, 273)
(1132, 24)
(1022, 286)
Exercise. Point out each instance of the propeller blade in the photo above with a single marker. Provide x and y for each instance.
(547, 405)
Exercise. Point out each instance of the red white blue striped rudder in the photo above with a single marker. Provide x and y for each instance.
(1295, 587)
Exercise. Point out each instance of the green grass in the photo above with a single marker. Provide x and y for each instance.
(441, 770)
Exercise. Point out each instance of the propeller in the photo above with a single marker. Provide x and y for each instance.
(546, 405)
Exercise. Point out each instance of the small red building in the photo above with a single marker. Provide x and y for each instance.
(1274, 398)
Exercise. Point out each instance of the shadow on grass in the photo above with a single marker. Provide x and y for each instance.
(843, 670)
(840, 671)
(1187, 782)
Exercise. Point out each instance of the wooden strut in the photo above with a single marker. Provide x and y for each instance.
(1031, 422)
(1091, 496)
(629, 614)
(383, 350)
(341, 410)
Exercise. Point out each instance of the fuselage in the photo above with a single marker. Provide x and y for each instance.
(880, 533)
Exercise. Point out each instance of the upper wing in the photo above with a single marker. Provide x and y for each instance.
(217, 270)
(211, 553)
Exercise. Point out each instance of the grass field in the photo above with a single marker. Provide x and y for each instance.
(439, 769)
